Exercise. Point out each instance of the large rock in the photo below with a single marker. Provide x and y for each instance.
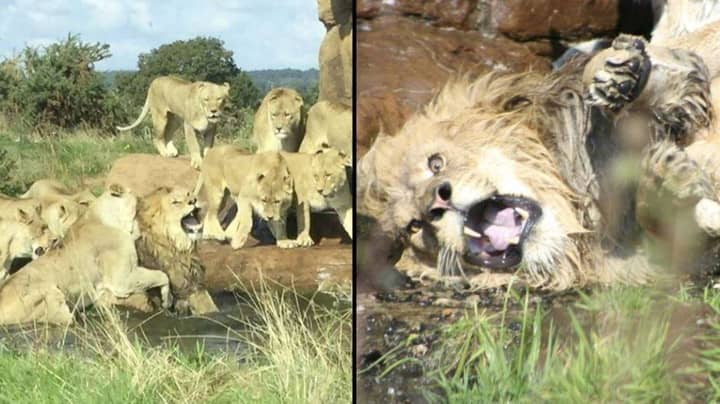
(518, 19)
(306, 269)
(402, 63)
(144, 173)
(334, 12)
(567, 19)
(335, 61)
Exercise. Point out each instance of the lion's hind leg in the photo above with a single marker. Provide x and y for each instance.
(44, 303)
(140, 280)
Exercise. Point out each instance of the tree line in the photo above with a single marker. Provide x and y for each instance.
(57, 86)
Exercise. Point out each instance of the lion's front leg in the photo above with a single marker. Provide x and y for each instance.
(193, 146)
(673, 187)
(302, 213)
(278, 227)
(616, 76)
(239, 229)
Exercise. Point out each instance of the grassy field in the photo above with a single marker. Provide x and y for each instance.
(296, 353)
(621, 344)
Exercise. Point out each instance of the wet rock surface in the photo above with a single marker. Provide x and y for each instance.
(402, 63)
(409, 322)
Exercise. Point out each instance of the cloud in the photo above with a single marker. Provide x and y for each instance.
(261, 33)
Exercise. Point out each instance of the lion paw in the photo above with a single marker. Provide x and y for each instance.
(621, 75)
(195, 162)
(304, 240)
(287, 244)
(669, 171)
(171, 150)
(238, 242)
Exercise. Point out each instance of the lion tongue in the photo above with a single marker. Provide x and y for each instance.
(502, 226)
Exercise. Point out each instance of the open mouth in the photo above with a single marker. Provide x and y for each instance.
(191, 223)
(213, 118)
(496, 228)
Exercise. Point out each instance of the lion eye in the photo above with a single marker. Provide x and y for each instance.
(176, 202)
(436, 163)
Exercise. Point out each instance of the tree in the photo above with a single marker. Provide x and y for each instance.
(58, 85)
(201, 58)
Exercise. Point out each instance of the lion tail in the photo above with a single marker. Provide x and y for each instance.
(144, 112)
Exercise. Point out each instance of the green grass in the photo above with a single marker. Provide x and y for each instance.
(79, 158)
(620, 344)
(296, 353)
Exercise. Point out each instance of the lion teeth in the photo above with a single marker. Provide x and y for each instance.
(515, 240)
(523, 213)
(472, 233)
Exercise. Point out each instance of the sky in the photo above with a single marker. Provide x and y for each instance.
(263, 34)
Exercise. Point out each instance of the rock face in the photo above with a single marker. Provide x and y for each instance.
(335, 58)
(144, 173)
(327, 264)
(402, 63)
(518, 19)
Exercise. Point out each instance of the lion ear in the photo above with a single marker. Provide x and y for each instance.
(63, 210)
(22, 216)
(299, 100)
(226, 85)
(201, 85)
(116, 190)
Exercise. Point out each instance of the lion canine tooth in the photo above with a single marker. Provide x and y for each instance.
(472, 233)
(523, 213)
(515, 240)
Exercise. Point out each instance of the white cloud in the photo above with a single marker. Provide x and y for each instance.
(261, 33)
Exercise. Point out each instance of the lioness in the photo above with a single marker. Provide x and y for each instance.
(196, 106)
(98, 258)
(25, 237)
(328, 123)
(259, 183)
(320, 182)
(169, 229)
(279, 121)
(58, 215)
(60, 207)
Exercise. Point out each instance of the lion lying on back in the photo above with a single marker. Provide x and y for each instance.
(279, 121)
(194, 106)
(98, 260)
(258, 183)
(493, 179)
(320, 182)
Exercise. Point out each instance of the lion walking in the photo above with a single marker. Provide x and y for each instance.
(194, 106)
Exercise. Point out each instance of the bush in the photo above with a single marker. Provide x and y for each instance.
(58, 85)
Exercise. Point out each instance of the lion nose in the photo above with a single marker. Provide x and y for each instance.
(39, 251)
(440, 200)
(214, 111)
(443, 192)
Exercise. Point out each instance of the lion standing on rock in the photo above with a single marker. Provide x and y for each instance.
(279, 121)
(196, 106)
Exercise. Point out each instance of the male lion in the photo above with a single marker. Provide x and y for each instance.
(25, 237)
(279, 121)
(258, 183)
(98, 260)
(169, 231)
(196, 106)
(516, 173)
(320, 182)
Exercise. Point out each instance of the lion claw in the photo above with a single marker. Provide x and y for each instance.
(287, 244)
(622, 75)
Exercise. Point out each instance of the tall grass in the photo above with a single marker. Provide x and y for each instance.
(296, 353)
(622, 344)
